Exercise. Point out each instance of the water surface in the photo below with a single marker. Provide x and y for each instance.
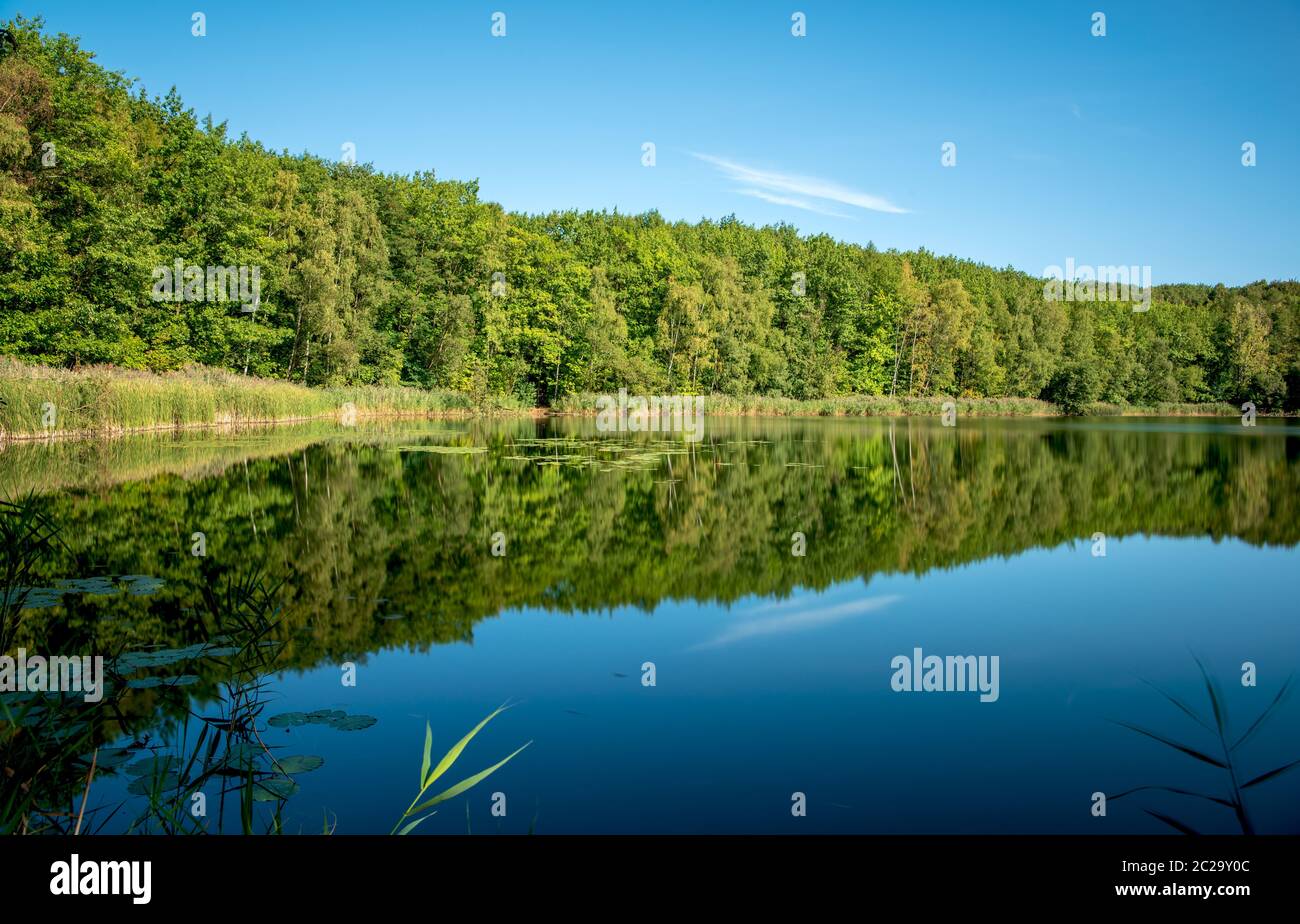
(772, 670)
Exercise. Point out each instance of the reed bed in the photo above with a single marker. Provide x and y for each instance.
(842, 406)
(899, 406)
(1163, 409)
(42, 401)
(37, 401)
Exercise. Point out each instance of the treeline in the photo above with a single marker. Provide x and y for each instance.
(372, 278)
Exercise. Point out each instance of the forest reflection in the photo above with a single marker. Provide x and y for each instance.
(383, 536)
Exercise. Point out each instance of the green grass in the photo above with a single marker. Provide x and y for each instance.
(840, 406)
(1163, 409)
(101, 400)
(40, 400)
(887, 406)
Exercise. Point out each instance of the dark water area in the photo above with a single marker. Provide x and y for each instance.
(697, 637)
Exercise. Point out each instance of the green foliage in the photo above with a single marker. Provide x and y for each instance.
(101, 399)
(376, 279)
(429, 776)
(1074, 387)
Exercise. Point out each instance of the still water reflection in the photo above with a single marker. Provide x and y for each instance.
(772, 670)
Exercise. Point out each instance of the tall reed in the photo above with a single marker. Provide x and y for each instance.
(45, 401)
(1221, 754)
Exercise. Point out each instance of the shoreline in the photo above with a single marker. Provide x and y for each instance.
(236, 425)
(47, 403)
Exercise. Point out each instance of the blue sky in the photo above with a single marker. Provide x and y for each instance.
(1123, 149)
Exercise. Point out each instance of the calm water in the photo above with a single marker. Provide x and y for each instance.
(772, 671)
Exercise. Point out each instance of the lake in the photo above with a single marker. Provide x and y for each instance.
(725, 636)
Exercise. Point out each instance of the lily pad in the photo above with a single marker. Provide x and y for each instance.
(333, 718)
(298, 763)
(147, 785)
(155, 765)
(243, 755)
(326, 716)
(111, 757)
(274, 789)
(444, 450)
(147, 683)
(163, 657)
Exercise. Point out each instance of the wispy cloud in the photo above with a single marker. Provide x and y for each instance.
(792, 202)
(795, 191)
(797, 619)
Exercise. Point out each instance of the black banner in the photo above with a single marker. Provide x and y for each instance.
(342, 872)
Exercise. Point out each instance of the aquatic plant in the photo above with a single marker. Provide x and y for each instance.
(1225, 759)
(41, 736)
(430, 776)
(27, 535)
(228, 748)
(48, 742)
(45, 769)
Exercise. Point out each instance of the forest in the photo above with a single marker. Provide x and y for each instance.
(368, 278)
